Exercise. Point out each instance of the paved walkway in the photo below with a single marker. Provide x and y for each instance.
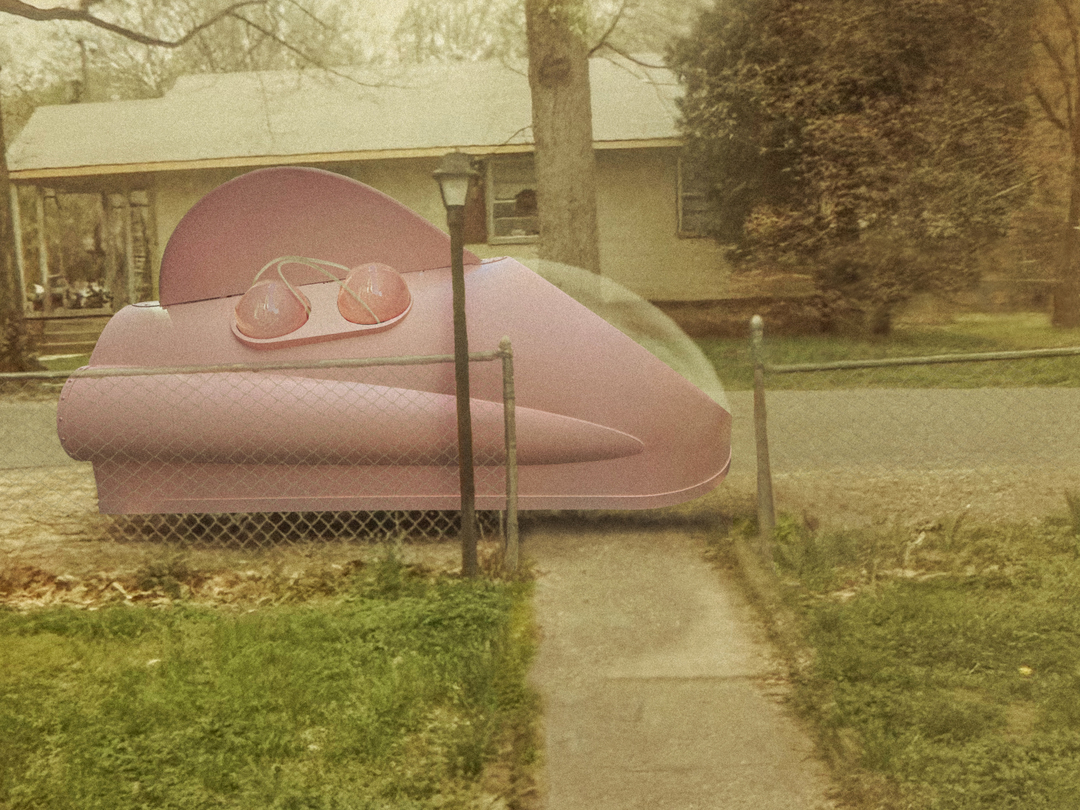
(658, 687)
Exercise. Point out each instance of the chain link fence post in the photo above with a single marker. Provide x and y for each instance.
(765, 510)
(511, 559)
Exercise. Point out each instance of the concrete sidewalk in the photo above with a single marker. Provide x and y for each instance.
(658, 687)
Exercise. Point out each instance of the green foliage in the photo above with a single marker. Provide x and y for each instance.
(394, 694)
(879, 142)
(945, 662)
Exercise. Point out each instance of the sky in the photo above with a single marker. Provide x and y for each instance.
(30, 52)
(34, 54)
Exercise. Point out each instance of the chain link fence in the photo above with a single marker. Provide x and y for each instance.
(254, 456)
(900, 437)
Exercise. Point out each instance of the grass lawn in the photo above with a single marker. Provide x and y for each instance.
(941, 665)
(66, 362)
(390, 688)
(966, 333)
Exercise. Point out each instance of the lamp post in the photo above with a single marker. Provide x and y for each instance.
(453, 175)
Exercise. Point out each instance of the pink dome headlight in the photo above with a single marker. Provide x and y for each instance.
(270, 309)
(373, 293)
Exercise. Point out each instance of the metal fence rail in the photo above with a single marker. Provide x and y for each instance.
(157, 436)
(928, 360)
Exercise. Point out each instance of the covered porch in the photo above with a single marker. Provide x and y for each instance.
(85, 247)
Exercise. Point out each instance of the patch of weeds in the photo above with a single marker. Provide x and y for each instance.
(818, 559)
(389, 577)
(721, 542)
(400, 690)
(945, 668)
(166, 576)
(1072, 501)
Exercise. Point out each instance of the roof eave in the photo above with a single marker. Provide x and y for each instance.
(32, 176)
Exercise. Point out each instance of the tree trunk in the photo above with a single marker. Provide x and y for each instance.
(12, 299)
(14, 344)
(1066, 300)
(562, 131)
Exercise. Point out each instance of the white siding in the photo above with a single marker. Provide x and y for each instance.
(639, 242)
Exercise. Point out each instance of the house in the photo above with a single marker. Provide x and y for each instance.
(150, 160)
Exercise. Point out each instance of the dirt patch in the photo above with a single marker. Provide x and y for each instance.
(55, 548)
(109, 574)
(994, 495)
(853, 498)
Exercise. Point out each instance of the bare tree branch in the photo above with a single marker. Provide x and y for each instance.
(1063, 73)
(82, 14)
(521, 131)
(628, 56)
(1048, 109)
(311, 60)
(308, 13)
(610, 29)
(1074, 33)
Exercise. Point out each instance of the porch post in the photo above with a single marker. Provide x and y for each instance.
(17, 241)
(129, 248)
(43, 249)
(153, 265)
(108, 244)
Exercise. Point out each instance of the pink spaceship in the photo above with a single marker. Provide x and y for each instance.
(302, 265)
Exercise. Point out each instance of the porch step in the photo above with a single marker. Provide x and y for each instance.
(68, 333)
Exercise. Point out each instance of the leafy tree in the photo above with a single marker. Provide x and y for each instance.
(878, 141)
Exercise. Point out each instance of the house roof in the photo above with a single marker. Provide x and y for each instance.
(275, 117)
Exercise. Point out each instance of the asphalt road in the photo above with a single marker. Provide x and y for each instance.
(28, 436)
(902, 429)
(910, 429)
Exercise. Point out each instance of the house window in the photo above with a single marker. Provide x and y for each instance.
(693, 202)
(511, 199)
